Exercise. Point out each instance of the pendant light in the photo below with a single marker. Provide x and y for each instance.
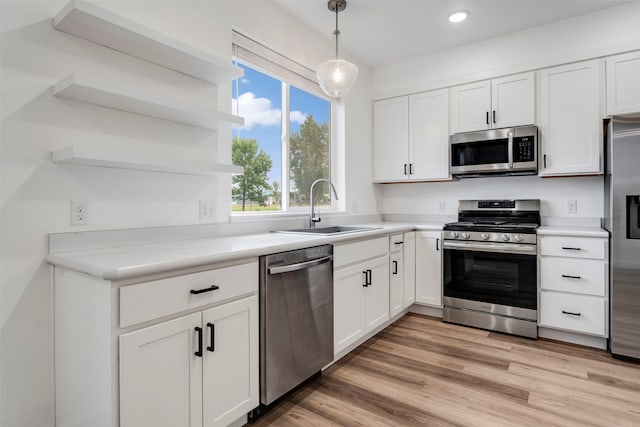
(336, 76)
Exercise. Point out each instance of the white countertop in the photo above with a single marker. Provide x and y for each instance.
(140, 260)
(572, 231)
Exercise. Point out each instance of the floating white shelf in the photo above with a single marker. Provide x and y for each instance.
(85, 90)
(75, 156)
(93, 23)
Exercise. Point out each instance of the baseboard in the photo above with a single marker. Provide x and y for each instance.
(427, 311)
(580, 339)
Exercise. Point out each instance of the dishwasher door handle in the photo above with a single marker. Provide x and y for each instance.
(299, 266)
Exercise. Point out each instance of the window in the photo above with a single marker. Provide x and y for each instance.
(285, 143)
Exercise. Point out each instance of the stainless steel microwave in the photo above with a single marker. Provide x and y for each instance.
(507, 151)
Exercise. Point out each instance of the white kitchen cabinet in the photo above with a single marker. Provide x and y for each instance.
(402, 273)
(623, 87)
(429, 268)
(574, 285)
(390, 139)
(160, 377)
(360, 289)
(198, 370)
(411, 138)
(491, 104)
(396, 274)
(409, 262)
(429, 136)
(570, 119)
(138, 367)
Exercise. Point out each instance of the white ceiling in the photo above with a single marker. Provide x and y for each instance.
(378, 32)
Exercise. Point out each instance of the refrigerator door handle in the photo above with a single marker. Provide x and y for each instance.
(633, 217)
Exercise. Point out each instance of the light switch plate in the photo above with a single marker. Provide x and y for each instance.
(207, 210)
(572, 207)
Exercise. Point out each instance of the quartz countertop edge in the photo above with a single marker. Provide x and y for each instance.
(128, 262)
(572, 231)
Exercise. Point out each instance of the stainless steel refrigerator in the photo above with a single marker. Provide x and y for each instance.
(622, 220)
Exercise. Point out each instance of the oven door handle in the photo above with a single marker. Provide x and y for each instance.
(507, 248)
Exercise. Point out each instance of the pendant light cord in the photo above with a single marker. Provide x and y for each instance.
(337, 32)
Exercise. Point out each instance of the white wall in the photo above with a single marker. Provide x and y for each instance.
(36, 192)
(592, 35)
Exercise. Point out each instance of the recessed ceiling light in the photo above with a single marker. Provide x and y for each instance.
(458, 16)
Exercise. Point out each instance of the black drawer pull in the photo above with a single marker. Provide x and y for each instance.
(437, 244)
(199, 331)
(566, 248)
(366, 278)
(487, 117)
(202, 291)
(212, 345)
(570, 313)
(395, 267)
(398, 243)
(566, 276)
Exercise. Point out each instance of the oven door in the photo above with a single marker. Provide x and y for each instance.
(499, 274)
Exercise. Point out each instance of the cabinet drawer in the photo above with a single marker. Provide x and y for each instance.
(360, 251)
(574, 247)
(582, 276)
(588, 313)
(395, 242)
(154, 299)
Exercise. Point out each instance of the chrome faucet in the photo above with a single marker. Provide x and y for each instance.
(313, 218)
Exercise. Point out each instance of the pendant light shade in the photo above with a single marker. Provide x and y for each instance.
(336, 77)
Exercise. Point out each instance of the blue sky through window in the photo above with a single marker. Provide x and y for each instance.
(259, 98)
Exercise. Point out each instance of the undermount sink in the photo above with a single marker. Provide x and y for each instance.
(327, 231)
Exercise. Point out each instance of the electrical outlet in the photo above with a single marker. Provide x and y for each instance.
(441, 206)
(79, 212)
(207, 210)
(572, 207)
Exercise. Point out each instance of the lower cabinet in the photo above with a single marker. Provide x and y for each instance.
(189, 359)
(574, 285)
(360, 290)
(402, 271)
(197, 370)
(428, 268)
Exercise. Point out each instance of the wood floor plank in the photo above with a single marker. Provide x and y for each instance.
(423, 372)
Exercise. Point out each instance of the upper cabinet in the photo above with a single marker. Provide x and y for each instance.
(570, 119)
(411, 138)
(93, 23)
(623, 86)
(491, 104)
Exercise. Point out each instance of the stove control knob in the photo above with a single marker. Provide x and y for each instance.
(484, 236)
(504, 237)
(518, 238)
(454, 234)
(465, 236)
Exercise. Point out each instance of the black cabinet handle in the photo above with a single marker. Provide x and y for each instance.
(487, 117)
(199, 332)
(566, 276)
(437, 244)
(366, 278)
(395, 267)
(544, 161)
(212, 344)
(494, 116)
(202, 291)
(398, 243)
(570, 313)
(568, 248)
(405, 168)
(369, 277)
(410, 168)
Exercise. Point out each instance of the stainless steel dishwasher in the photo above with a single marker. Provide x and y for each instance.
(296, 318)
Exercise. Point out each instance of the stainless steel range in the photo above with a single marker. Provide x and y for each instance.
(490, 266)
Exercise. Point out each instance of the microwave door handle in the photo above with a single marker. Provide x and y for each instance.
(510, 149)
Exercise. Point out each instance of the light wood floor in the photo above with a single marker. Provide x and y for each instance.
(421, 371)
